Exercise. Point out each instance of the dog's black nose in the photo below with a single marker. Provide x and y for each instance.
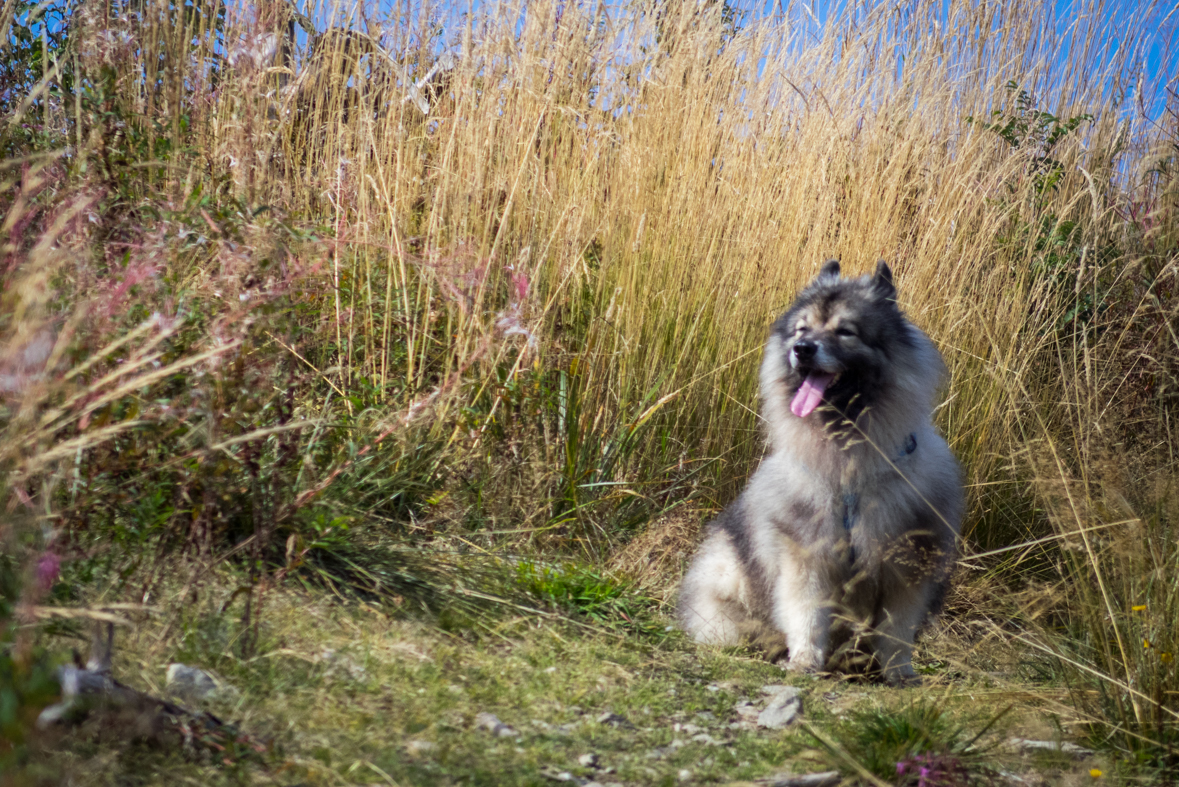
(805, 349)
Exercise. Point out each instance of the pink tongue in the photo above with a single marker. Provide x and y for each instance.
(810, 394)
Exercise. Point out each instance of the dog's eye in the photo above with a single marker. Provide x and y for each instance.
(801, 329)
(843, 330)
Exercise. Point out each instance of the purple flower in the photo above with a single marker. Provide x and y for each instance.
(48, 570)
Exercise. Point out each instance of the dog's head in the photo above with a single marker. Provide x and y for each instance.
(839, 342)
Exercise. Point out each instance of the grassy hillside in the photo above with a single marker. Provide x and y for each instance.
(459, 316)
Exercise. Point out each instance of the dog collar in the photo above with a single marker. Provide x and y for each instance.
(851, 501)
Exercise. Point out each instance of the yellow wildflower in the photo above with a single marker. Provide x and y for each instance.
(1166, 657)
(1095, 773)
(1138, 608)
(1146, 645)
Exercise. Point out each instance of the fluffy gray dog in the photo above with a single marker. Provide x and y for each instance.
(850, 524)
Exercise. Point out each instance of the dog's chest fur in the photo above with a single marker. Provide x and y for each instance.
(846, 511)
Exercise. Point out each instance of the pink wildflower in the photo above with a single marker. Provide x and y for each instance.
(48, 570)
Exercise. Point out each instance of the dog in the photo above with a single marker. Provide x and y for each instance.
(846, 534)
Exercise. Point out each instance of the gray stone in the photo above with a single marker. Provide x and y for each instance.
(588, 760)
(747, 712)
(707, 739)
(774, 689)
(415, 747)
(491, 723)
(614, 720)
(195, 685)
(1071, 749)
(560, 776)
(824, 779)
(784, 706)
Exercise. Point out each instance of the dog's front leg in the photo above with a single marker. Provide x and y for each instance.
(896, 625)
(802, 611)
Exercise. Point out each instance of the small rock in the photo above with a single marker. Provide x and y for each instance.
(774, 689)
(784, 707)
(687, 727)
(194, 684)
(491, 723)
(684, 775)
(1071, 749)
(558, 776)
(824, 779)
(415, 747)
(747, 712)
(614, 720)
(588, 760)
(707, 739)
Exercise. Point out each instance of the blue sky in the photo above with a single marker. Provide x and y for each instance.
(1159, 60)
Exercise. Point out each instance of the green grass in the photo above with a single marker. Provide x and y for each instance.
(903, 740)
(587, 591)
(356, 693)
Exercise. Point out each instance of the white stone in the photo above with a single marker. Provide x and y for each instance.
(784, 706)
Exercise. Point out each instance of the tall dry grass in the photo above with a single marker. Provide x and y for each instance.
(561, 231)
(644, 189)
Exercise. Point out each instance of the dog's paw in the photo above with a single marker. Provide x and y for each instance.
(901, 680)
(806, 661)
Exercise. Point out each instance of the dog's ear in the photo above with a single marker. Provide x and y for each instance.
(882, 282)
(830, 270)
